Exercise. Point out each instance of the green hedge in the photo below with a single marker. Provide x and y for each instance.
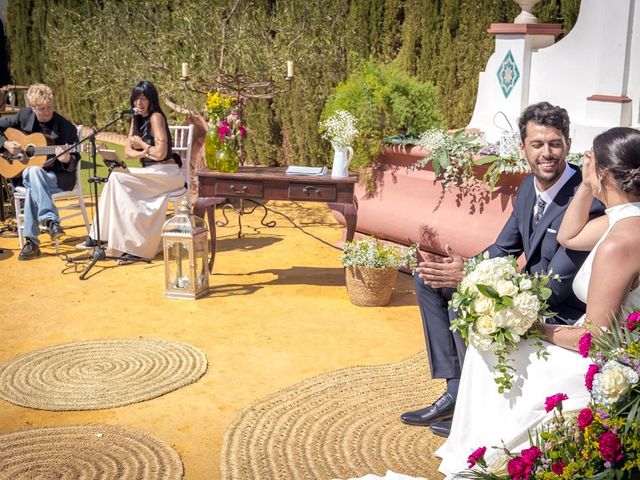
(93, 51)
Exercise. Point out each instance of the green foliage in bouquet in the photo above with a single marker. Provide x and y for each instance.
(601, 442)
(497, 306)
(371, 253)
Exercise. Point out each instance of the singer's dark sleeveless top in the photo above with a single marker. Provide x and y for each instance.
(146, 134)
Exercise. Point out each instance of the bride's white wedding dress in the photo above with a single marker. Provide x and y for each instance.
(484, 417)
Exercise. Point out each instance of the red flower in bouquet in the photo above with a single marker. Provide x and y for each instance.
(557, 467)
(585, 417)
(610, 447)
(518, 469)
(552, 401)
(591, 372)
(584, 344)
(476, 456)
(633, 321)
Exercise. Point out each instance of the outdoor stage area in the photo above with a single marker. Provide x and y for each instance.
(277, 330)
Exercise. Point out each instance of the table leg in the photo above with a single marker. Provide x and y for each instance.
(350, 213)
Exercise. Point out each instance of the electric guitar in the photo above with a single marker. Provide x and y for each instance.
(36, 147)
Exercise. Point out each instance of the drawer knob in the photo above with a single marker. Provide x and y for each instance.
(309, 189)
(234, 189)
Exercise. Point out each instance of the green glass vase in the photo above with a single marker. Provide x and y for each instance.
(211, 146)
(227, 159)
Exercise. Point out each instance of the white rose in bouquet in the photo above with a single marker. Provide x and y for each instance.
(486, 325)
(613, 382)
(484, 305)
(506, 288)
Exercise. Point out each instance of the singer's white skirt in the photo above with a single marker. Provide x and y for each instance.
(133, 209)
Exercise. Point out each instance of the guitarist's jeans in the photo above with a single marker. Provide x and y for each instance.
(38, 206)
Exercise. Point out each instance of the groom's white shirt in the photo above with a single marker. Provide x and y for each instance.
(550, 193)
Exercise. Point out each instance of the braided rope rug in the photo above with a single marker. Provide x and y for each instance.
(337, 425)
(99, 374)
(87, 452)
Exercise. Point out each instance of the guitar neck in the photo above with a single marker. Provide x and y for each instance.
(48, 150)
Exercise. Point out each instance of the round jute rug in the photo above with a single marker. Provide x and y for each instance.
(99, 374)
(340, 424)
(88, 452)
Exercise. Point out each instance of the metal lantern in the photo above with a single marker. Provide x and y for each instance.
(184, 241)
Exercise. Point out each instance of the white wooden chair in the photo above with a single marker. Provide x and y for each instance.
(182, 139)
(78, 207)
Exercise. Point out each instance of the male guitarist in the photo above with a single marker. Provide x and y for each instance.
(41, 182)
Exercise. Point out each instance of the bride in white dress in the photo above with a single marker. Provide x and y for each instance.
(607, 281)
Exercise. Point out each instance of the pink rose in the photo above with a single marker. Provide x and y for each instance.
(223, 129)
(584, 344)
(518, 469)
(585, 417)
(476, 456)
(633, 321)
(557, 467)
(553, 401)
(530, 455)
(610, 447)
(591, 372)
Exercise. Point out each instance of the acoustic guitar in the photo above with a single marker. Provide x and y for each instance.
(36, 148)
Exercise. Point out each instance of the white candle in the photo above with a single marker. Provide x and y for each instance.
(289, 68)
(185, 69)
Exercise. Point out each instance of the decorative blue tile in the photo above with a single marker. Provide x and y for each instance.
(508, 74)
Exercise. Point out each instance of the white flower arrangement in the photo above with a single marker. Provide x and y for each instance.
(370, 253)
(496, 308)
(340, 128)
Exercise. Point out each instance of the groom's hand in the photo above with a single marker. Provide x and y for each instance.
(442, 271)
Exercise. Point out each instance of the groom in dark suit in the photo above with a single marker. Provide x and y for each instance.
(531, 229)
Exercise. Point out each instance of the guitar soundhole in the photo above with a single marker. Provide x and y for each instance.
(30, 151)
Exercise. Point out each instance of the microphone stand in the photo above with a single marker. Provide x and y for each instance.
(99, 252)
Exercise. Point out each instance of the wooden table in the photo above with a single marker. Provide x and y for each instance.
(271, 183)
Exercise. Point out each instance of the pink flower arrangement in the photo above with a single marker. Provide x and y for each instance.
(554, 401)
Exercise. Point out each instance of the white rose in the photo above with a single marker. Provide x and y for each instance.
(527, 304)
(484, 305)
(485, 325)
(613, 382)
(506, 288)
(481, 342)
(525, 284)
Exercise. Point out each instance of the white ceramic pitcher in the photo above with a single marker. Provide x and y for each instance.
(341, 159)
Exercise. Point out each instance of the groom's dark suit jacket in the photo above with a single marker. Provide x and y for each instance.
(540, 246)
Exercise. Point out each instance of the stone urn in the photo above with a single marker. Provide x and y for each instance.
(525, 15)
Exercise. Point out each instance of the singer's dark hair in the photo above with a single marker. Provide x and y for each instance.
(148, 89)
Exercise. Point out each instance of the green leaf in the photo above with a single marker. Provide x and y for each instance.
(443, 159)
(487, 291)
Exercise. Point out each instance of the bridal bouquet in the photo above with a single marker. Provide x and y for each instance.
(497, 306)
(601, 441)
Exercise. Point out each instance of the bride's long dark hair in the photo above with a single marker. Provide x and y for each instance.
(618, 152)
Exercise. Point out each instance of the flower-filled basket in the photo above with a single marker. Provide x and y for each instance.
(371, 269)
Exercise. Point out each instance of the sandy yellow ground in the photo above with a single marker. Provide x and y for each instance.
(278, 313)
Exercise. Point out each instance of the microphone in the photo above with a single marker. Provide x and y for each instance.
(131, 111)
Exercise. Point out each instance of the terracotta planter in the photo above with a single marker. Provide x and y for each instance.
(413, 207)
(370, 287)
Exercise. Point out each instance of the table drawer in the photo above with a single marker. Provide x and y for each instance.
(234, 188)
(302, 191)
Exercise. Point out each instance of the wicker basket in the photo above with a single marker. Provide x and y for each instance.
(370, 287)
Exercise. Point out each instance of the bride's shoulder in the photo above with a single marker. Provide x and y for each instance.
(621, 243)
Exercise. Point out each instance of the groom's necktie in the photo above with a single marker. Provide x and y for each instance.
(541, 205)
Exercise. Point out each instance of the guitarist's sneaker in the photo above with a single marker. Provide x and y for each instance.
(54, 229)
(29, 250)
